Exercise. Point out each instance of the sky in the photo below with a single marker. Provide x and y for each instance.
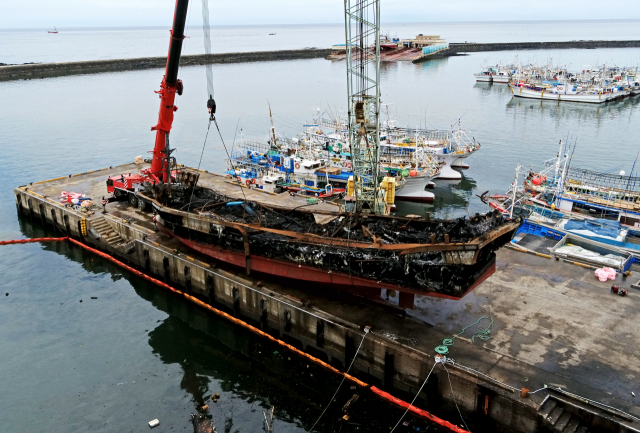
(117, 13)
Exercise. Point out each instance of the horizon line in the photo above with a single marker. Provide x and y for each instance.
(338, 24)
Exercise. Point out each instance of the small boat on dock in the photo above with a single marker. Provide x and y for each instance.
(543, 239)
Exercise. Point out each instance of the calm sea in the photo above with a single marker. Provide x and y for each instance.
(135, 353)
(77, 44)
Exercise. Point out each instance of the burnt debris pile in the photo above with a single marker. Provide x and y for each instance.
(354, 227)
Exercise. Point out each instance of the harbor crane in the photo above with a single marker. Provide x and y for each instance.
(362, 24)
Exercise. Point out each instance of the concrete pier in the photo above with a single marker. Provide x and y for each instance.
(47, 70)
(456, 49)
(554, 323)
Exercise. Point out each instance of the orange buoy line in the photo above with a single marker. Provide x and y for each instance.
(416, 411)
(28, 241)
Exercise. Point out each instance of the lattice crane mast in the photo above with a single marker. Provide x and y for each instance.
(362, 31)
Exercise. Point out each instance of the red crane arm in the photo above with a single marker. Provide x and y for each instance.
(168, 88)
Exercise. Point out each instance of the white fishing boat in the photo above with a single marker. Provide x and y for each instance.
(484, 76)
(413, 167)
(567, 92)
(502, 74)
(414, 189)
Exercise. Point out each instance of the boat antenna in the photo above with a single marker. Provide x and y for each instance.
(632, 168)
(235, 134)
(273, 128)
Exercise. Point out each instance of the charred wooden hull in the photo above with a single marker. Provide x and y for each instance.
(447, 259)
(462, 278)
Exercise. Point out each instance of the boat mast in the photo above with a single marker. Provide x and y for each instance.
(558, 163)
(515, 189)
(161, 163)
(273, 129)
(362, 27)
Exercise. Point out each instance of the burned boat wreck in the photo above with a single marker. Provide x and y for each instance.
(309, 243)
(359, 252)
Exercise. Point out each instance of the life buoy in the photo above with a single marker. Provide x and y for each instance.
(297, 165)
(248, 182)
(253, 180)
(239, 179)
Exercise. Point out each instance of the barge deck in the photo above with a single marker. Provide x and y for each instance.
(555, 324)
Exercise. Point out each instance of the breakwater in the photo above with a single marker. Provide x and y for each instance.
(47, 70)
(457, 49)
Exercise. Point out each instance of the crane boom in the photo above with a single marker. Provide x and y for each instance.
(168, 88)
(362, 31)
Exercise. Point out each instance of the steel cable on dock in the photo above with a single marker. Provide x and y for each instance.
(414, 398)
(452, 393)
(366, 331)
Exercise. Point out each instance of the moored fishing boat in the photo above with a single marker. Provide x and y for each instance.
(562, 92)
(484, 76)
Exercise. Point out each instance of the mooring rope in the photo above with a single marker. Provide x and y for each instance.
(416, 396)
(366, 331)
(483, 334)
(453, 394)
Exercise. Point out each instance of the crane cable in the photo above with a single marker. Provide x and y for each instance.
(206, 30)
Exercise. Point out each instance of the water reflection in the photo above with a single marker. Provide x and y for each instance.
(573, 110)
(452, 198)
(486, 88)
(434, 64)
(250, 373)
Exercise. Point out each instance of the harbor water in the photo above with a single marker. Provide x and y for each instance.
(135, 353)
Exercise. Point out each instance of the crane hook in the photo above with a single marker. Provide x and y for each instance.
(211, 106)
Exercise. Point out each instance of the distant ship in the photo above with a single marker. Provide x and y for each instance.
(54, 31)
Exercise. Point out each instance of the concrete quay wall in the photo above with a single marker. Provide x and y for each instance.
(47, 70)
(543, 45)
(390, 365)
(456, 49)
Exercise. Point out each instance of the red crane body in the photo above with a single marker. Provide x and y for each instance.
(168, 88)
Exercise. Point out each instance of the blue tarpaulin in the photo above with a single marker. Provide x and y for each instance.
(601, 227)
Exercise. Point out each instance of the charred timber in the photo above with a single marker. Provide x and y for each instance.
(347, 251)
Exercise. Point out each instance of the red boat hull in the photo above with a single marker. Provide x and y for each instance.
(301, 273)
